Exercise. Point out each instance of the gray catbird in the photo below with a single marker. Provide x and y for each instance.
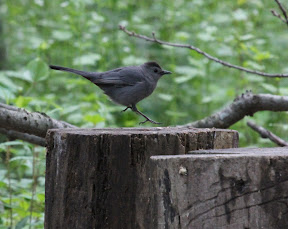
(127, 85)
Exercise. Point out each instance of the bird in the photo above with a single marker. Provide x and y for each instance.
(125, 85)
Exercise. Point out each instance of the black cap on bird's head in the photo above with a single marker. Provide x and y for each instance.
(152, 64)
(156, 68)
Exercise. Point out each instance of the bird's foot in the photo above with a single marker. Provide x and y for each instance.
(134, 108)
(150, 120)
(126, 109)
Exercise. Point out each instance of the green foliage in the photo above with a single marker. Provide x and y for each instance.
(85, 35)
(22, 169)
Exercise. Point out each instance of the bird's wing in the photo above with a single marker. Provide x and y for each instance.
(120, 76)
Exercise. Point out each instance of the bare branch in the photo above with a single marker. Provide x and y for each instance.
(284, 12)
(33, 123)
(246, 104)
(224, 63)
(22, 136)
(267, 134)
(8, 107)
(279, 16)
(282, 9)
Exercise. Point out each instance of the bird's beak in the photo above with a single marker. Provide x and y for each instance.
(164, 72)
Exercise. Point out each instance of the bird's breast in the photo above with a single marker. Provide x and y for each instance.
(129, 95)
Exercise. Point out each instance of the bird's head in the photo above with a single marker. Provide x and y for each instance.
(153, 69)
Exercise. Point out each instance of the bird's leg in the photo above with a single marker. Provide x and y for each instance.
(127, 108)
(134, 108)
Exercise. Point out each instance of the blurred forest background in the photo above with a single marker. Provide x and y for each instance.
(84, 34)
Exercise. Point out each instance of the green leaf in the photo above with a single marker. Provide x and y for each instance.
(224, 50)
(22, 101)
(21, 74)
(61, 35)
(6, 94)
(166, 97)
(41, 197)
(132, 60)
(176, 114)
(204, 36)
(207, 99)
(240, 15)
(254, 65)
(5, 81)
(38, 69)
(17, 158)
(94, 118)
(241, 2)
(186, 70)
(246, 37)
(3, 185)
(88, 59)
(269, 87)
(183, 79)
(183, 36)
(96, 17)
(262, 56)
(22, 223)
(187, 73)
(12, 143)
(283, 91)
(255, 78)
(55, 110)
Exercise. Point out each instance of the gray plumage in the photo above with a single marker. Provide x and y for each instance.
(126, 85)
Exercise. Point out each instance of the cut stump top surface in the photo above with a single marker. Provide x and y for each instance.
(139, 130)
(192, 138)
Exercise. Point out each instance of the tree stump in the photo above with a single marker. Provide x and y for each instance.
(231, 189)
(103, 178)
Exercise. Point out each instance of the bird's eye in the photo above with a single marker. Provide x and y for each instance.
(155, 70)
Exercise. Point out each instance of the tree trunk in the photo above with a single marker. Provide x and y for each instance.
(101, 178)
(231, 189)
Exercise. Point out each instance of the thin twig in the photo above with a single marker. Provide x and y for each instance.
(264, 133)
(215, 59)
(279, 16)
(284, 12)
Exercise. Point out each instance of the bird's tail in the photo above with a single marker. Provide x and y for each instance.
(87, 75)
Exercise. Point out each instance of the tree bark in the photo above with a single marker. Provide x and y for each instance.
(12, 135)
(244, 105)
(100, 178)
(231, 188)
(34, 123)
